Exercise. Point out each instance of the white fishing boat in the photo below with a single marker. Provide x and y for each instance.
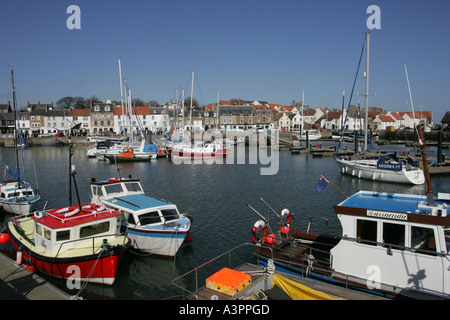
(154, 226)
(17, 196)
(312, 134)
(391, 244)
(380, 169)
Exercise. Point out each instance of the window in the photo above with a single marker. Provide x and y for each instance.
(47, 234)
(39, 229)
(134, 186)
(423, 240)
(149, 218)
(170, 214)
(366, 232)
(394, 235)
(63, 235)
(94, 229)
(131, 219)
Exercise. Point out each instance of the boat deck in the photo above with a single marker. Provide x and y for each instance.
(331, 290)
(18, 283)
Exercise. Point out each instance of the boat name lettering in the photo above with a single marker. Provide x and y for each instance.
(389, 166)
(388, 215)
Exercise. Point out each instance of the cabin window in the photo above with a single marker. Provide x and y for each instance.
(149, 218)
(38, 229)
(63, 235)
(47, 234)
(131, 219)
(423, 240)
(366, 232)
(133, 187)
(170, 214)
(94, 229)
(114, 188)
(394, 235)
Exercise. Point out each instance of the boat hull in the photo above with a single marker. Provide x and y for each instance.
(160, 243)
(19, 208)
(199, 155)
(94, 268)
(369, 171)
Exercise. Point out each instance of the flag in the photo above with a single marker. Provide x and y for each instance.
(322, 183)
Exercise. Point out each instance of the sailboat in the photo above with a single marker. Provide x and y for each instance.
(199, 149)
(16, 195)
(389, 169)
(311, 134)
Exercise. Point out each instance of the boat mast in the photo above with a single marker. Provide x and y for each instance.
(421, 141)
(15, 128)
(367, 90)
(302, 124)
(190, 109)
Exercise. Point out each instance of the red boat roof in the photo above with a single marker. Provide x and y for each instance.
(54, 220)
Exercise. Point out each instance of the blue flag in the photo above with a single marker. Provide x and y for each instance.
(321, 184)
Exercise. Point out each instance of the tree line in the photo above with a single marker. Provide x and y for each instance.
(85, 103)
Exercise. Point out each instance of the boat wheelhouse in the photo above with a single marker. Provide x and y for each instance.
(154, 226)
(80, 242)
(394, 244)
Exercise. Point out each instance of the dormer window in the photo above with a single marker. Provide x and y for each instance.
(96, 107)
(107, 108)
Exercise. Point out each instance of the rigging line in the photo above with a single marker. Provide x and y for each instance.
(351, 94)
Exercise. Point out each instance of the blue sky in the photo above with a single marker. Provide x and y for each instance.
(266, 50)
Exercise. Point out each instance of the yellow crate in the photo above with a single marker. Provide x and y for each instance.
(228, 281)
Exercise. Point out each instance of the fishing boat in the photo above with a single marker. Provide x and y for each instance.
(391, 244)
(311, 134)
(380, 169)
(80, 242)
(77, 242)
(154, 226)
(16, 194)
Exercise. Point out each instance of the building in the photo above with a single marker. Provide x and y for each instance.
(80, 120)
(102, 117)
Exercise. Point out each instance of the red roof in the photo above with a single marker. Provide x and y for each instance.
(80, 112)
(139, 111)
(386, 119)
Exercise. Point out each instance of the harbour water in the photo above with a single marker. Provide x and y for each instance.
(215, 194)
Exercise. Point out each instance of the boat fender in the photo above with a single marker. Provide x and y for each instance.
(19, 257)
(271, 238)
(4, 238)
(258, 228)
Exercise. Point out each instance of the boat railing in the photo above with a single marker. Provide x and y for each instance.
(390, 246)
(301, 255)
(196, 270)
(104, 242)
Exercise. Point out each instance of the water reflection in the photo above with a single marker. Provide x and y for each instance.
(216, 194)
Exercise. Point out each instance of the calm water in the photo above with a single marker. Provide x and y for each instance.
(217, 195)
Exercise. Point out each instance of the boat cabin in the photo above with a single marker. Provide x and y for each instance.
(60, 230)
(11, 191)
(395, 241)
(127, 196)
